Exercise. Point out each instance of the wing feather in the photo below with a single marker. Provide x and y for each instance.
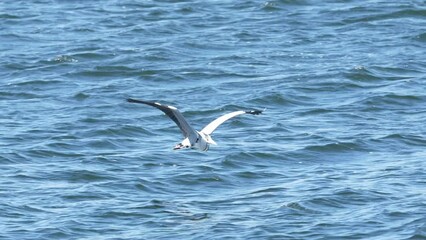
(209, 129)
(174, 114)
(213, 125)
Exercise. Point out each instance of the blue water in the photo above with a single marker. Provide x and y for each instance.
(339, 152)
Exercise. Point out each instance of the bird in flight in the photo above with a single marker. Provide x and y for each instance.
(199, 140)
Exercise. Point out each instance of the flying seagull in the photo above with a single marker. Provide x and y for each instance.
(199, 140)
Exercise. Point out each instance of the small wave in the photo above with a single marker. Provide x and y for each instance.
(90, 55)
(361, 73)
(300, 208)
(406, 13)
(250, 156)
(36, 83)
(396, 100)
(175, 212)
(421, 37)
(122, 214)
(271, 6)
(409, 139)
(6, 16)
(46, 153)
(7, 159)
(360, 196)
(119, 131)
(335, 147)
(279, 99)
(85, 176)
(86, 196)
(420, 229)
(19, 95)
(373, 75)
(268, 190)
(151, 187)
(113, 71)
(62, 59)
(81, 96)
(196, 179)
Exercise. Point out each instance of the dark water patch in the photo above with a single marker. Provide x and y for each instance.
(172, 213)
(15, 66)
(102, 144)
(119, 131)
(206, 168)
(395, 15)
(69, 148)
(108, 71)
(156, 55)
(11, 39)
(221, 110)
(421, 37)
(20, 96)
(9, 16)
(85, 54)
(195, 179)
(14, 211)
(393, 101)
(36, 83)
(49, 154)
(184, 214)
(360, 197)
(21, 211)
(406, 139)
(13, 157)
(251, 175)
(152, 187)
(122, 215)
(335, 147)
(300, 209)
(395, 73)
(268, 190)
(86, 196)
(77, 176)
(325, 203)
(153, 204)
(316, 111)
(81, 96)
(278, 99)
(419, 231)
(251, 157)
(247, 174)
(362, 74)
(376, 74)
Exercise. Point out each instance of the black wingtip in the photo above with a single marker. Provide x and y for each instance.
(254, 112)
(131, 100)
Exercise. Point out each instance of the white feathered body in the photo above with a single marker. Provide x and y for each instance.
(202, 142)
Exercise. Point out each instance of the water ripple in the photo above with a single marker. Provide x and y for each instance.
(338, 152)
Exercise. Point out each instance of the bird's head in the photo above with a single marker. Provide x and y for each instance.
(184, 144)
(178, 146)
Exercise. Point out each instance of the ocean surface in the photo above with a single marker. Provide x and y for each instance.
(339, 152)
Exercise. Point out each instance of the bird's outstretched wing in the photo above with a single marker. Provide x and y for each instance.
(213, 125)
(174, 114)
